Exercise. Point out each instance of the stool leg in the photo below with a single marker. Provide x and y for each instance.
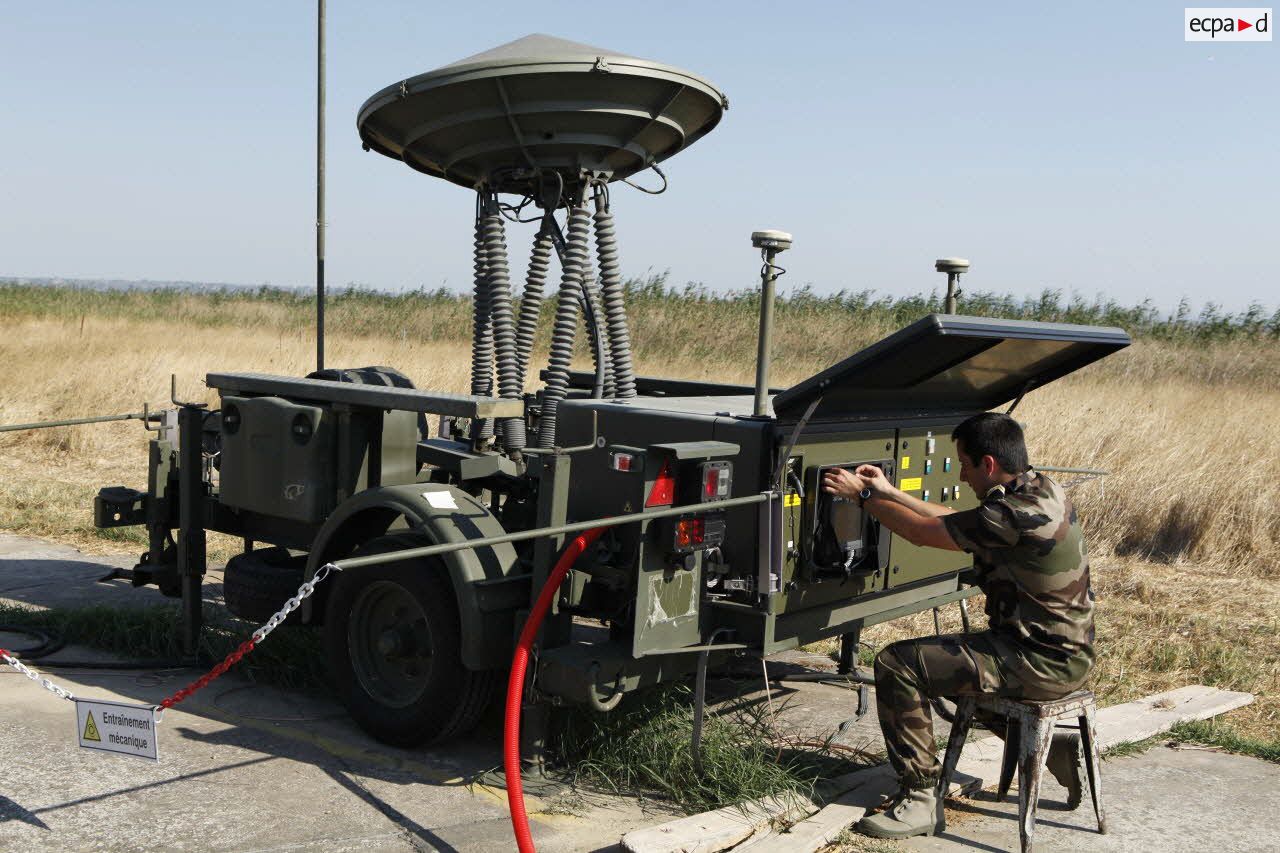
(1009, 762)
(1092, 763)
(959, 732)
(1036, 735)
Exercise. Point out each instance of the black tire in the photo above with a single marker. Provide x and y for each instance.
(257, 584)
(393, 641)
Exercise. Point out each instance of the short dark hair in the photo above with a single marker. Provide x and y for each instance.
(996, 435)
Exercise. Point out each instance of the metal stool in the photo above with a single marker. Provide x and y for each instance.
(1028, 734)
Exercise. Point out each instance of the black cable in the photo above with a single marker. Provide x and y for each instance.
(48, 641)
(655, 168)
(51, 642)
(127, 665)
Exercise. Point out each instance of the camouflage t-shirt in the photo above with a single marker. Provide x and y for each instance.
(1029, 553)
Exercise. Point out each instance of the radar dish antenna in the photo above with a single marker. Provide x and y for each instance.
(540, 104)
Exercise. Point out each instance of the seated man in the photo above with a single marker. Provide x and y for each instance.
(1029, 554)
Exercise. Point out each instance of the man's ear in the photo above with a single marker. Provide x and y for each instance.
(989, 466)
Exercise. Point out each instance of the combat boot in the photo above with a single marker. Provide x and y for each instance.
(911, 813)
(1064, 764)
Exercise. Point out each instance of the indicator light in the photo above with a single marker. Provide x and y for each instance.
(696, 533)
(622, 462)
(716, 480)
(690, 532)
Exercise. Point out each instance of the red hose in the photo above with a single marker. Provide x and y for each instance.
(515, 687)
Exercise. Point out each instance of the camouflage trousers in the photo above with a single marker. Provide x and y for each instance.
(911, 672)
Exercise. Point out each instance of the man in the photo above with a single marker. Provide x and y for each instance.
(1029, 554)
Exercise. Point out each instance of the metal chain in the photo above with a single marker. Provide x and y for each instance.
(304, 592)
(35, 676)
(292, 604)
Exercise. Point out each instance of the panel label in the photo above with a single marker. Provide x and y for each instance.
(117, 727)
(440, 500)
(911, 484)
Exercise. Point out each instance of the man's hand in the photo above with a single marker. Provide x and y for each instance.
(873, 478)
(844, 483)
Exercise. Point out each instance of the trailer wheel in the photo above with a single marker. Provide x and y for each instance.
(392, 638)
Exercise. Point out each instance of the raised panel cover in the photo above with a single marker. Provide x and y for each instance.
(947, 364)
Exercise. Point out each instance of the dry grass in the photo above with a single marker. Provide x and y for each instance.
(1185, 532)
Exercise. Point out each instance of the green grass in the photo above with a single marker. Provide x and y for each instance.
(1223, 736)
(288, 658)
(644, 748)
(1205, 733)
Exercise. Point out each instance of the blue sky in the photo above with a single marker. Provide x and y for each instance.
(1081, 146)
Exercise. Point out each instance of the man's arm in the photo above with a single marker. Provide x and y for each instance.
(881, 487)
(894, 508)
(919, 507)
(916, 528)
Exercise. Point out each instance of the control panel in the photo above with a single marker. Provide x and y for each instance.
(928, 469)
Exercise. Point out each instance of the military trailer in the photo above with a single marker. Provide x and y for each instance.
(446, 512)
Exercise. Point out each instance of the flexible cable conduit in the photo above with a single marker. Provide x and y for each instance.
(515, 687)
(502, 318)
(482, 331)
(596, 336)
(531, 300)
(615, 309)
(577, 248)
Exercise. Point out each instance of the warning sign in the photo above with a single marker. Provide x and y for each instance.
(117, 727)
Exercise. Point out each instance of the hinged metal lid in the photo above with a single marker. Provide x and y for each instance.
(949, 364)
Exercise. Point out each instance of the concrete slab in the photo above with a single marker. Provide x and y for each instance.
(1165, 799)
(46, 575)
(979, 764)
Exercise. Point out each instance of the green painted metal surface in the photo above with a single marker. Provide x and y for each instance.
(924, 473)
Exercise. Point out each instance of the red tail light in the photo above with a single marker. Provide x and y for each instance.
(663, 492)
(690, 532)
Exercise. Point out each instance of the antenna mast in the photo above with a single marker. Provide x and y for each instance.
(320, 185)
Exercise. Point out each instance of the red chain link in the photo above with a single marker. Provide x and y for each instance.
(227, 662)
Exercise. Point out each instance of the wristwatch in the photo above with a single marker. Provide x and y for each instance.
(863, 495)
